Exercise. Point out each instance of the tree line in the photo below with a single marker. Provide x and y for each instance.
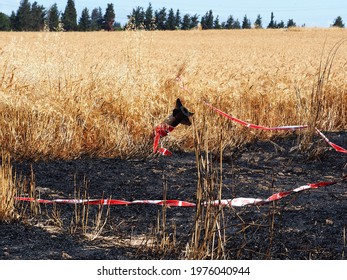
(35, 17)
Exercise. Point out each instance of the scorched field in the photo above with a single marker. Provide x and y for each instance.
(79, 112)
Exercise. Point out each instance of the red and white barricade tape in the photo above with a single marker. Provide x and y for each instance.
(164, 152)
(276, 128)
(249, 125)
(236, 202)
(336, 147)
(161, 130)
(243, 201)
(171, 202)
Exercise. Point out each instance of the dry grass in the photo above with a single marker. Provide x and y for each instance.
(66, 95)
(208, 236)
(8, 189)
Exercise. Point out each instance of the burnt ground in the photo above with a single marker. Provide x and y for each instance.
(310, 225)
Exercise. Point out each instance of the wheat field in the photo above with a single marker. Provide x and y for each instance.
(68, 95)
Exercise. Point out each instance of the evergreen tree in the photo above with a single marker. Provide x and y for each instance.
(160, 19)
(230, 22)
(291, 23)
(23, 17)
(14, 21)
(280, 24)
(237, 24)
(272, 23)
(38, 15)
(53, 17)
(207, 20)
(258, 22)
(246, 23)
(84, 23)
(178, 19)
(203, 22)
(194, 21)
(216, 24)
(338, 22)
(141, 16)
(137, 18)
(186, 22)
(69, 17)
(5, 22)
(149, 17)
(96, 19)
(109, 17)
(170, 22)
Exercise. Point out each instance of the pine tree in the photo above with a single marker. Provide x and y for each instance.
(141, 15)
(23, 16)
(280, 24)
(14, 21)
(338, 22)
(38, 15)
(5, 22)
(186, 22)
(258, 22)
(84, 23)
(96, 19)
(178, 19)
(69, 17)
(272, 23)
(194, 21)
(109, 17)
(209, 19)
(246, 23)
(216, 24)
(203, 22)
(137, 18)
(149, 17)
(291, 23)
(170, 22)
(230, 22)
(237, 24)
(160, 19)
(53, 17)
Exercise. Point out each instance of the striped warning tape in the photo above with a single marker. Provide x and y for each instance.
(235, 202)
(161, 130)
(276, 128)
(336, 147)
(242, 201)
(172, 202)
(250, 125)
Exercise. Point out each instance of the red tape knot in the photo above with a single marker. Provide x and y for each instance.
(161, 130)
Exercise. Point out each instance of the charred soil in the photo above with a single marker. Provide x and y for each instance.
(309, 225)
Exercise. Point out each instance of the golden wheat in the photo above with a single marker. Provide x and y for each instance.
(8, 188)
(65, 95)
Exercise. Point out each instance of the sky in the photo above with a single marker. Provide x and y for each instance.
(312, 13)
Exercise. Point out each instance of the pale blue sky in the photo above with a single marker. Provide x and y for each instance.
(313, 13)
